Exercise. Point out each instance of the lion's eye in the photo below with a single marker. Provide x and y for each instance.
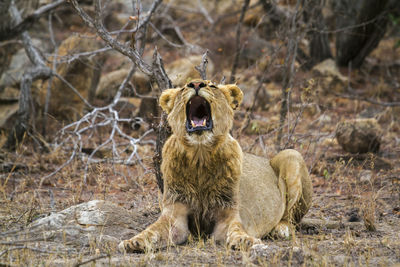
(213, 86)
(202, 85)
(191, 85)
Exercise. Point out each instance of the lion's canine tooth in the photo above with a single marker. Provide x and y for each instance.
(204, 122)
(193, 124)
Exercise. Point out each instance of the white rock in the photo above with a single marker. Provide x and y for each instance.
(365, 176)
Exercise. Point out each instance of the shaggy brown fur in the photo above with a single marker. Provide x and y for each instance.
(211, 187)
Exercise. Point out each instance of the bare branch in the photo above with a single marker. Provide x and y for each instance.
(159, 72)
(153, 8)
(73, 57)
(178, 32)
(24, 25)
(163, 37)
(202, 68)
(73, 89)
(204, 11)
(105, 35)
(54, 69)
(238, 46)
(100, 117)
(39, 71)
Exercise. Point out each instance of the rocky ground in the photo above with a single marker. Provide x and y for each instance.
(341, 120)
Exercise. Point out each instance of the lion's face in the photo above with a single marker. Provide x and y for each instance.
(201, 111)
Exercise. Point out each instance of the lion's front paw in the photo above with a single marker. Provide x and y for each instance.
(136, 244)
(242, 242)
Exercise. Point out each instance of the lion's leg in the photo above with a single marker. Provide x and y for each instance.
(170, 228)
(229, 229)
(290, 166)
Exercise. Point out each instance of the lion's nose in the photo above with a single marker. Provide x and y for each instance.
(196, 86)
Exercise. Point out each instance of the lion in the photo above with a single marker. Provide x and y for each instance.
(211, 188)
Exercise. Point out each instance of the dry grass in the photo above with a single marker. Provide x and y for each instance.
(339, 195)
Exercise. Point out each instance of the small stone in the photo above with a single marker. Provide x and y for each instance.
(365, 176)
(329, 76)
(359, 135)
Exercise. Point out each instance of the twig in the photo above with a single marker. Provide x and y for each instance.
(80, 263)
(27, 247)
(289, 73)
(370, 100)
(73, 89)
(203, 11)
(202, 68)
(178, 32)
(306, 90)
(141, 28)
(70, 58)
(153, 8)
(136, 94)
(159, 73)
(24, 25)
(238, 47)
(163, 37)
(54, 69)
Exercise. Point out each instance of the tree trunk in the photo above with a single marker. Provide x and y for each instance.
(319, 42)
(361, 25)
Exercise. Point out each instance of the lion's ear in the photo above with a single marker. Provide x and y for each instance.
(233, 94)
(167, 99)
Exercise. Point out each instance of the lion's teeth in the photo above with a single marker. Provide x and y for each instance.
(193, 124)
(204, 122)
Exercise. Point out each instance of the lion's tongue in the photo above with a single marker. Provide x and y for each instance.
(196, 122)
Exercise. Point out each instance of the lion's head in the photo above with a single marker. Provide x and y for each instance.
(201, 111)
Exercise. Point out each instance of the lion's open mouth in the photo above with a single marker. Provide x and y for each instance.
(198, 115)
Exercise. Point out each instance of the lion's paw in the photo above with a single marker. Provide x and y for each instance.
(135, 244)
(242, 242)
